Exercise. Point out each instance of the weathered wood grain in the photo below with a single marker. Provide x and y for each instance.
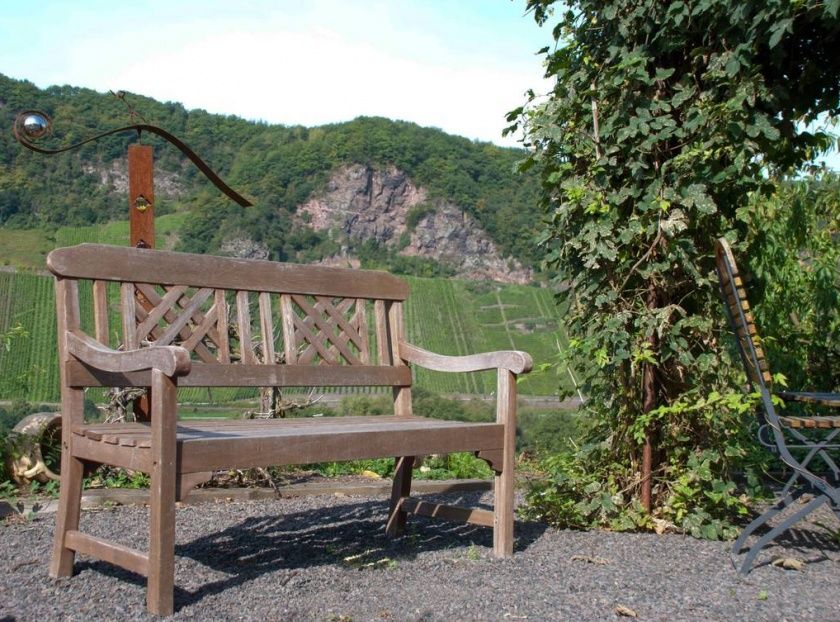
(171, 360)
(111, 552)
(116, 263)
(512, 360)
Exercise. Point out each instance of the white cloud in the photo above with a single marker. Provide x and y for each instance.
(321, 77)
(457, 66)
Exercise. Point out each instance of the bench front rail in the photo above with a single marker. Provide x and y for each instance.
(162, 320)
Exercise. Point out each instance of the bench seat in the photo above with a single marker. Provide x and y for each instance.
(238, 444)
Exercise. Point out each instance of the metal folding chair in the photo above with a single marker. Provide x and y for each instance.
(810, 437)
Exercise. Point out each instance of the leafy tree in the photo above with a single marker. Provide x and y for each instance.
(663, 118)
(793, 257)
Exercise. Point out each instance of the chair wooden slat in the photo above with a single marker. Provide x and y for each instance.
(327, 331)
(304, 328)
(251, 375)
(744, 324)
(178, 324)
(243, 323)
(200, 332)
(157, 313)
(267, 328)
(383, 346)
(129, 315)
(287, 315)
(361, 325)
(223, 354)
(100, 312)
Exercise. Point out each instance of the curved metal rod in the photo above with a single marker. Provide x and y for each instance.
(140, 127)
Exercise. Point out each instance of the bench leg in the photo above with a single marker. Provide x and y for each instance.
(401, 488)
(504, 481)
(160, 597)
(70, 493)
(67, 516)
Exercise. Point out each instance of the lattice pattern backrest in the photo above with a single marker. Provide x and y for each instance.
(740, 318)
(223, 326)
(329, 330)
(226, 310)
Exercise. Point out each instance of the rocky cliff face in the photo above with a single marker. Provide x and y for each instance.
(361, 203)
(115, 178)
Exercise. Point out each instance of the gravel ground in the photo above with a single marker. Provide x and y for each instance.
(326, 558)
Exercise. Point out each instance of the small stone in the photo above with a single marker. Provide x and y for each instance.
(626, 611)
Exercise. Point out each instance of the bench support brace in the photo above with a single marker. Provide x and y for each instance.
(401, 489)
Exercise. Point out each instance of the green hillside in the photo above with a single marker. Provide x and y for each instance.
(276, 166)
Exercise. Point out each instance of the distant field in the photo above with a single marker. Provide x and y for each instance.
(442, 315)
(117, 232)
(28, 248)
(462, 317)
(24, 248)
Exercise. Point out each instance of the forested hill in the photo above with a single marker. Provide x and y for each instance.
(280, 168)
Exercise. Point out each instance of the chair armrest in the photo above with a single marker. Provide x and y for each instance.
(515, 361)
(807, 397)
(171, 360)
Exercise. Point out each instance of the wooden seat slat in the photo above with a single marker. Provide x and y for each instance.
(811, 422)
(297, 425)
(241, 444)
(811, 397)
(243, 449)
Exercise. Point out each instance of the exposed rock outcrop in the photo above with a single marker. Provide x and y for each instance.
(244, 248)
(115, 177)
(361, 203)
(364, 204)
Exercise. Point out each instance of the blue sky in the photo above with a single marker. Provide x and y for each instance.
(459, 65)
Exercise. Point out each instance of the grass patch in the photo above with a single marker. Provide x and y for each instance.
(24, 248)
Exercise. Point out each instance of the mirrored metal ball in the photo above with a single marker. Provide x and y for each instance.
(35, 125)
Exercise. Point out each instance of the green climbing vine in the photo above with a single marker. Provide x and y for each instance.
(667, 125)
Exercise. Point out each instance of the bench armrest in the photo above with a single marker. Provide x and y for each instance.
(171, 360)
(515, 361)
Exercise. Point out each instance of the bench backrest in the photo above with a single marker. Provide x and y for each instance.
(245, 322)
(740, 318)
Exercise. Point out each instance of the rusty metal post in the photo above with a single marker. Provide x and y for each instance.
(141, 196)
(141, 227)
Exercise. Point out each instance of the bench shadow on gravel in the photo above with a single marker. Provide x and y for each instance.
(350, 535)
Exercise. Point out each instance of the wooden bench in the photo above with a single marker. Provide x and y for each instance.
(186, 321)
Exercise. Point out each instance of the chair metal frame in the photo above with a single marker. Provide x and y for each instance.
(775, 431)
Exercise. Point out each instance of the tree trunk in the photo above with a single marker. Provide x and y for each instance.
(650, 393)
